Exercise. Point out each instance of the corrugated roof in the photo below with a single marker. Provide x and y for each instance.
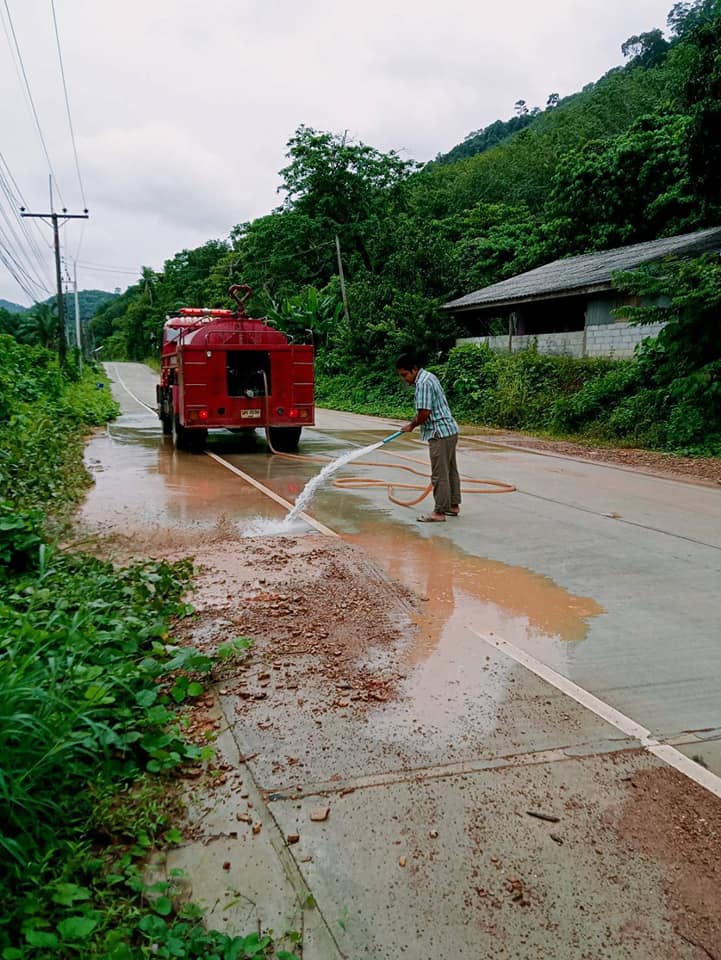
(589, 270)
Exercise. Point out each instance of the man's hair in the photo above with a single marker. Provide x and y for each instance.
(407, 361)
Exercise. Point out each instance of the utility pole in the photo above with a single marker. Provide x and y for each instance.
(78, 331)
(342, 279)
(54, 218)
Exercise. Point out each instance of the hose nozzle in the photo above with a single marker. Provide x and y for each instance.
(392, 436)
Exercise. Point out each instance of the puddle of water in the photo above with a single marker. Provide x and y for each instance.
(147, 492)
(456, 686)
(523, 607)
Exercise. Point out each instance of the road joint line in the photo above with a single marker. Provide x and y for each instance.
(663, 751)
(444, 771)
(289, 865)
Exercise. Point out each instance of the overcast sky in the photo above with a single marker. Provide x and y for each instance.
(182, 109)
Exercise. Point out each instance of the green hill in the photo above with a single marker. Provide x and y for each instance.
(89, 302)
(11, 307)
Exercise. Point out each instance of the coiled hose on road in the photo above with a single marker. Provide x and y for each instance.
(359, 483)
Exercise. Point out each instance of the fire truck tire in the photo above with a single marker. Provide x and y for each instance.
(285, 439)
(167, 425)
(184, 439)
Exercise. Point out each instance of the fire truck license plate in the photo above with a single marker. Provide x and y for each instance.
(250, 414)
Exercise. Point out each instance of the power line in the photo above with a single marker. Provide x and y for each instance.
(16, 272)
(30, 97)
(23, 202)
(107, 269)
(13, 242)
(67, 106)
(31, 252)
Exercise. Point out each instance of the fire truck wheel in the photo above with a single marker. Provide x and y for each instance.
(167, 425)
(285, 439)
(184, 439)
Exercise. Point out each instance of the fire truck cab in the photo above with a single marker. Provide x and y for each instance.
(221, 368)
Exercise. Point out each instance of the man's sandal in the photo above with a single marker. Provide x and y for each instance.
(430, 518)
(452, 513)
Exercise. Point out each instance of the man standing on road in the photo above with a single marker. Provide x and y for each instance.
(433, 416)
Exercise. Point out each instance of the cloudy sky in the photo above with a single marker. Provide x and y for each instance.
(182, 109)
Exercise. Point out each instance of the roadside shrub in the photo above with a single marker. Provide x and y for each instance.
(637, 417)
(595, 400)
(381, 394)
(20, 539)
(44, 415)
(27, 374)
(514, 390)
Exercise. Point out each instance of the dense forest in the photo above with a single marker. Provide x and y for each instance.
(633, 157)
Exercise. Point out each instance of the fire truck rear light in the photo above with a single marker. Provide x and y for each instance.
(303, 414)
(202, 414)
(293, 413)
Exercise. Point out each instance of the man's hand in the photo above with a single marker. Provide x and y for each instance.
(408, 428)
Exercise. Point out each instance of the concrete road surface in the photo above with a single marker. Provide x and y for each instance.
(569, 658)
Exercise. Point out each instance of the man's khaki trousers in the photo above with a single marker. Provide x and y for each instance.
(444, 473)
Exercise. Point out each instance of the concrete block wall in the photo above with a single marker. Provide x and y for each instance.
(568, 344)
(600, 340)
(617, 339)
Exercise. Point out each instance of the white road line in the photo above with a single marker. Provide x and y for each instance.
(670, 755)
(129, 391)
(272, 494)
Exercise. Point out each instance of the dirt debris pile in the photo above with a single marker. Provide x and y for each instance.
(310, 604)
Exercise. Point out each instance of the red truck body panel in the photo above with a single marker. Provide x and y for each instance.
(220, 368)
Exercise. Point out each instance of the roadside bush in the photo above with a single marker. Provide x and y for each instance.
(595, 399)
(381, 394)
(20, 539)
(44, 415)
(518, 390)
(27, 374)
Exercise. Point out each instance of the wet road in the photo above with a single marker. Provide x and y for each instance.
(609, 577)
(565, 624)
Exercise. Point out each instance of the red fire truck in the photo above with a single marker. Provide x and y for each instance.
(221, 368)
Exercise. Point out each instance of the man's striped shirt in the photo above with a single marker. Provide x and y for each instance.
(430, 396)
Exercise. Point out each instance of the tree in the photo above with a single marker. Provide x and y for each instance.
(703, 100)
(345, 185)
(8, 322)
(39, 326)
(628, 189)
(148, 279)
(331, 177)
(645, 49)
(684, 18)
(683, 362)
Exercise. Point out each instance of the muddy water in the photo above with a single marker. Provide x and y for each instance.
(523, 607)
(153, 499)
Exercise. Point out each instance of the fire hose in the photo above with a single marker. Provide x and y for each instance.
(469, 484)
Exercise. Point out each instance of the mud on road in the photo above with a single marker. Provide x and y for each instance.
(301, 599)
(628, 865)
